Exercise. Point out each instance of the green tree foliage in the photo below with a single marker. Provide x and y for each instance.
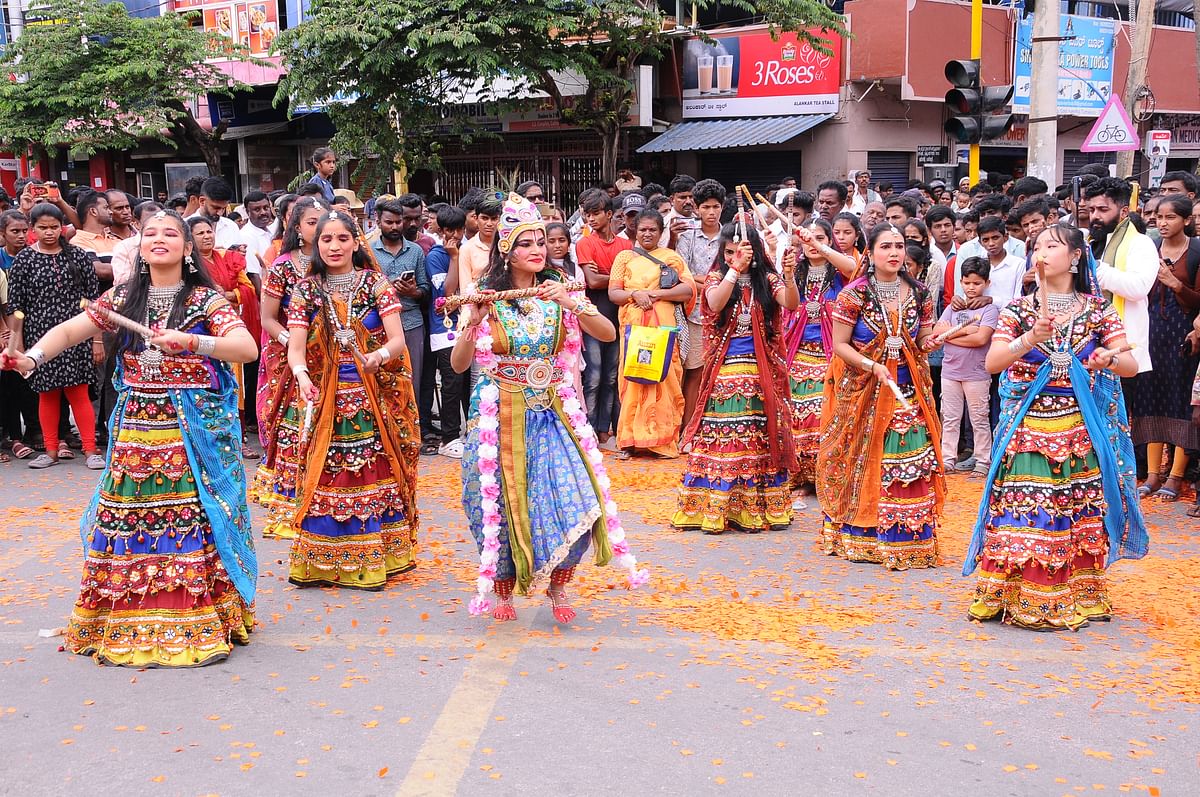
(397, 69)
(89, 76)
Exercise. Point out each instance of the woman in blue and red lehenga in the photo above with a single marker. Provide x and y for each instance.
(1061, 497)
(821, 274)
(356, 508)
(170, 571)
(743, 449)
(879, 473)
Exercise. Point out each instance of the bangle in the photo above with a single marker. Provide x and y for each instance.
(867, 364)
(283, 337)
(731, 276)
(585, 307)
(384, 354)
(299, 369)
(37, 355)
(1113, 359)
(1017, 346)
(205, 345)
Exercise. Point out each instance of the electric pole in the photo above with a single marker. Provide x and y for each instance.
(1141, 19)
(1043, 94)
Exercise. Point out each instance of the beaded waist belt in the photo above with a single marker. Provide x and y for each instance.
(536, 374)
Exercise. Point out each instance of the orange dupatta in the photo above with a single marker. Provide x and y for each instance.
(393, 403)
(856, 412)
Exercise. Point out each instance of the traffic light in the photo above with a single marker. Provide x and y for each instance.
(971, 105)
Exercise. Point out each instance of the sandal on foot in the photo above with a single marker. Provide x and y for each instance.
(249, 453)
(1168, 493)
(1194, 511)
(20, 450)
(4, 457)
(64, 451)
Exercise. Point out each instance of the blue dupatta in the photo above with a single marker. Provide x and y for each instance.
(1103, 410)
(212, 437)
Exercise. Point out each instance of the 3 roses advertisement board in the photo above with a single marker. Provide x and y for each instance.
(749, 73)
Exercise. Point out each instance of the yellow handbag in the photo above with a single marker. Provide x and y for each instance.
(648, 352)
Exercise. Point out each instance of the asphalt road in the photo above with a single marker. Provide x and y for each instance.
(751, 665)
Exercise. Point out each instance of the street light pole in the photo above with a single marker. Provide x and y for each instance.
(1141, 19)
(1043, 94)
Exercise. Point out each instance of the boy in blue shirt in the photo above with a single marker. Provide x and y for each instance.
(442, 265)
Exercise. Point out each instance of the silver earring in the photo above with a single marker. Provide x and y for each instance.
(191, 264)
(1075, 266)
(145, 267)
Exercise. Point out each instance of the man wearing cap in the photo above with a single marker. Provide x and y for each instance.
(863, 193)
(633, 204)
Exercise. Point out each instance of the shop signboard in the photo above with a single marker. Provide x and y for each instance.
(1158, 148)
(1085, 65)
(252, 23)
(749, 73)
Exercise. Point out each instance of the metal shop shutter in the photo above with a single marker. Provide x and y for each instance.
(890, 167)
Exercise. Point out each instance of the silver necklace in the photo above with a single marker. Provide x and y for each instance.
(1058, 303)
(814, 283)
(890, 292)
(343, 284)
(159, 302)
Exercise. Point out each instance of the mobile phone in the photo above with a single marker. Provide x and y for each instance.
(52, 192)
(38, 191)
(408, 275)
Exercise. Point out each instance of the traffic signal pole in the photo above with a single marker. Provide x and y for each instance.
(1043, 94)
(976, 53)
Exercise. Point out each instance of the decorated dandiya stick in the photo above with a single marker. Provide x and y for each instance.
(1043, 291)
(118, 319)
(762, 220)
(741, 218)
(787, 223)
(309, 410)
(450, 304)
(954, 330)
(899, 395)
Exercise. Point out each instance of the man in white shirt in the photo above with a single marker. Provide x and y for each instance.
(215, 195)
(1007, 269)
(256, 235)
(1128, 261)
(863, 193)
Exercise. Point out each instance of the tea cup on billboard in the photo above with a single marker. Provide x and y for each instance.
(704, 74)
(724, 74)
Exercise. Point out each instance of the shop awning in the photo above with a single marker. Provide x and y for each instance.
(730, 133)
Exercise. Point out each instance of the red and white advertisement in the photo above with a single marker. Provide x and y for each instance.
(252, 24)
(753, 74)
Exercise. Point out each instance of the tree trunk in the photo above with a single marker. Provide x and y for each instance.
(208, 142)
(610, 138)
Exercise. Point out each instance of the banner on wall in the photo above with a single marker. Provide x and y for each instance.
(752, 74)
(1085, 65)
(252, 23)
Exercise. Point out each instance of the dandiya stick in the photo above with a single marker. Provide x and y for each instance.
(954, 330)
(741, 217)
(787, 223)
(899, 396)
(118, 319)
(1043, 291)
(762, 220)
(454, 302)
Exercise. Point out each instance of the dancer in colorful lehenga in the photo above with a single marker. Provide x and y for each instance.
(279, 416)
(742, 443)
(808, 346)
(1061, 497)
(356, 509)
(879, 477)
(534, 485)
(169, 571)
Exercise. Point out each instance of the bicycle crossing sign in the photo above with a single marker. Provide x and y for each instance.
(1113, 132)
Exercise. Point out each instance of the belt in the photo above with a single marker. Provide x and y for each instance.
(537, 374)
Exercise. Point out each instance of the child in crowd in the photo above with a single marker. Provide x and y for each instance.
(965, 380)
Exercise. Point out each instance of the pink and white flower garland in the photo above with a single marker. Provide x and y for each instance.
(489, 463)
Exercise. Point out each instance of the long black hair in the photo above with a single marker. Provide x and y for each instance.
(130, 296)
(282, 206)
(498, 276)
(860, 240)
(291, 236)
(568, 261)
(1179, 203)
(802, 264)
(360, 260)
(760, 284)
(920, 292)
(1072, 238)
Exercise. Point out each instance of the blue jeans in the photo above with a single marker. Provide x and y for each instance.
(600, 383)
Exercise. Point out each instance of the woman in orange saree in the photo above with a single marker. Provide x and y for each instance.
(880, 479)
(651, 414)
(356, 509)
